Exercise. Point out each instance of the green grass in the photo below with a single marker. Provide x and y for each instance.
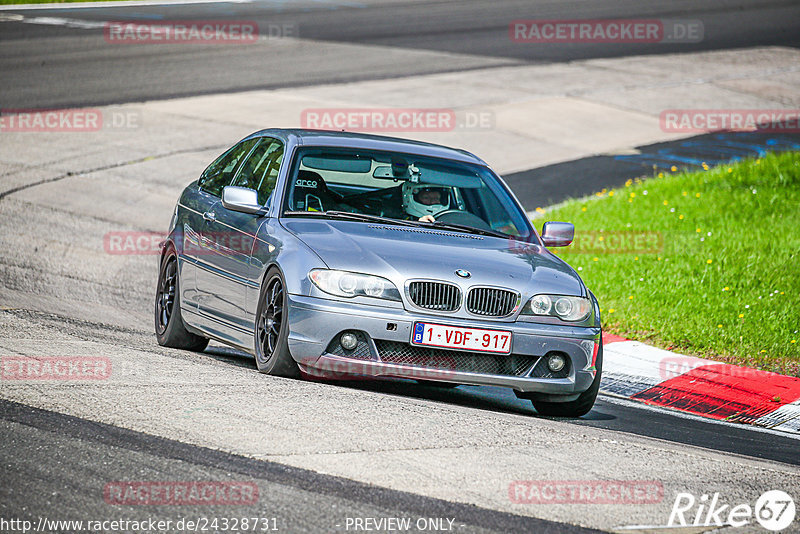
(725, 282)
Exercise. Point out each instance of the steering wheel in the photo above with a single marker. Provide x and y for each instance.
(462, 217)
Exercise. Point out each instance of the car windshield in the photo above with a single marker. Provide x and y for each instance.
(369, 185)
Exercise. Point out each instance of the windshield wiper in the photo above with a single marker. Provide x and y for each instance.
(354, 217)
(470, 229)
(387, 220)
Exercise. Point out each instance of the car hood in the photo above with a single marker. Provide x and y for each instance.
(400, 253)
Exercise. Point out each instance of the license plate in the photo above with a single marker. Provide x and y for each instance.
(454, 337)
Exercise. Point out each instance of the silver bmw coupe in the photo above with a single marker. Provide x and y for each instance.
(340, 255)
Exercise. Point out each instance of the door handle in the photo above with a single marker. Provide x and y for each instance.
(209, 216)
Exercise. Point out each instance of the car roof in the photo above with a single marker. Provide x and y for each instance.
(368, 141)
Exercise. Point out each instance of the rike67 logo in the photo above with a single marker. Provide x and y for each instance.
(774, 510)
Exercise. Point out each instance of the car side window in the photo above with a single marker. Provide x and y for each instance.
(221, 172)
(260, 171)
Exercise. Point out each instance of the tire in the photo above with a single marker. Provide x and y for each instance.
(272, 329)
(580, 406)
(170, 329)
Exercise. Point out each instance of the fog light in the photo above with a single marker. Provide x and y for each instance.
(348, 341)
(556, 362)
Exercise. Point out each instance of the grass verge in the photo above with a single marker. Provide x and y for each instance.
(706, 263)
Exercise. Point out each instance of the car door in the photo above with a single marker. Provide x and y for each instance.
(229, 237)
(199, 248)
(264, 183)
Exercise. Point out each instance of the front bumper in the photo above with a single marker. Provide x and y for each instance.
(315, 324)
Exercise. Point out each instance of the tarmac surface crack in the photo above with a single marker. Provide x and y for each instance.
(106, 168)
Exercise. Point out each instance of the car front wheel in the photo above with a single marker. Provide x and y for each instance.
(580, 406)
(272, 329)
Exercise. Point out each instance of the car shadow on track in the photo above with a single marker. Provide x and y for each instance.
(495, 399)
(230, 355)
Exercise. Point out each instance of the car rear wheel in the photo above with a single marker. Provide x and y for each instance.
(272, 329)
(580, 406)
(170, 329)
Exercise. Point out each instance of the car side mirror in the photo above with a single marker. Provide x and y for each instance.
(558, 234)
(241, 199)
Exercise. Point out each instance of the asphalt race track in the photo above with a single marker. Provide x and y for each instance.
(343, 41)
(299, 500)
(321, 454)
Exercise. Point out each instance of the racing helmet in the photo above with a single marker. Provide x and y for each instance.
(419, 199)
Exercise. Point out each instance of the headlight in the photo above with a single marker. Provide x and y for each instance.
(541, 305)
(346, 284)
(571, 309)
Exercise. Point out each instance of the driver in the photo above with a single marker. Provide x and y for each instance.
(422, 201)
